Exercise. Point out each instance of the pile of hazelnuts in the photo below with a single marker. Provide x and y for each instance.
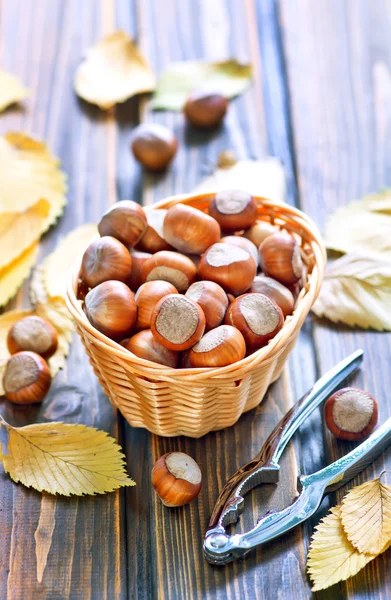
(181, 288)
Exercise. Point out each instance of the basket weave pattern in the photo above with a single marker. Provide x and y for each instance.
(193, 402)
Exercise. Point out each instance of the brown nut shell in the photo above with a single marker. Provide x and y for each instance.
(190, 230)
(147, 296)
(172, 267)
(176, 478)
(242, 242)
(351, 414)
(153, 240)
(259, 232)
(26, 378)
(126, 220)
(280, 258)
(138, 259)
(219, 347)
(276, 291)
(234, 210)
(212, 299)
(35, 334)
(106, 258)
(145, 346)
(177, 322)
(205, 109)
(229, 266)
(257, 317)
(111, 309)
(153, 145)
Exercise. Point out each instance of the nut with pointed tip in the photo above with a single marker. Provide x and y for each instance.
(257, 317)
(177, 322)
(351, 414)
(147, 296)
(153, 145)
(176, 478)
(189, 229)
(276, 291)
(126, 220)
(234, 210)
(219, 347)
(205, 109)
(280, 258)
(35, 334)
(145, 346)
(26, 378)
(259, 232)
(153, 239)
(104, 259)
(242, 242)
(172, 267)
(231, 267)
(138, 259)
(212, 299)
(111, 309)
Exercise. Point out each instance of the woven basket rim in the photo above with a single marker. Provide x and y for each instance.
(237, 370)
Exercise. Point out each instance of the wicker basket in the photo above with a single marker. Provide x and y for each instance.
(193, 402)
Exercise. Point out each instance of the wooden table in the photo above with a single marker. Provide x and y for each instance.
(321, 102)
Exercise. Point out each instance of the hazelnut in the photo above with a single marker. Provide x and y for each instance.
(234, 210)
(259, 232)
(146, 298)
(138, 259)
(153, 145)
(219, 347)
(279, 257)
(351, 414)
(189, 229)
(35, 334)
(241, 242)
(145, 346)
(126, 221)
(205, 109)
(26, 378)
(104, 259)
(153, 240)
(276, 291)
(257, 317)
(111, 309)
(176, 478)
(172, 267)
(177, 322)
(212, 299)
(231, 267)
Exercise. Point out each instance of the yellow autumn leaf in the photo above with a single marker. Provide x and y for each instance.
(64, 459)
(366, 516)
(357, 291)
(332, 558)
(57, 266)
(55, 311)
(12, 276)
(6, 321)
(113, 71)
(19, 230)
(28, 173)
(361, 226)
(259, 177)
(11, 90)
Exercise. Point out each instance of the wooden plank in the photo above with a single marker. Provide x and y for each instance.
(338, 57)
(62, 548)
(165, 545)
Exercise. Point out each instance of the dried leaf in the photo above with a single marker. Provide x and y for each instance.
(366, 516)
(6, 321)
(331, 557)
(361, 226)
(65, 459)
(19, 231)
(11, 90)
(28, 173)
(57, 266)
(260, 177)
(113, 71)
(229, 78)
(12, 277)
(55, 311)
(357, 291)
